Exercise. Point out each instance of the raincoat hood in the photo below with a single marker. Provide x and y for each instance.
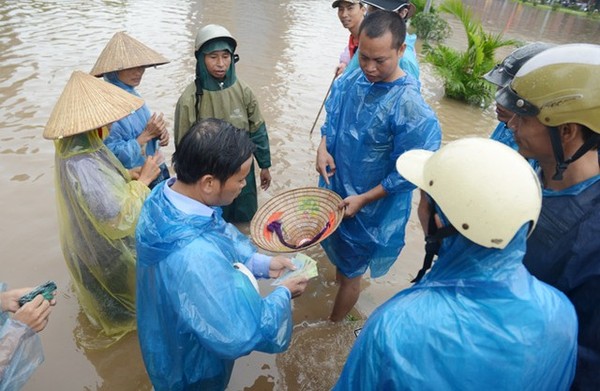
(113, 78)
(477, 318)
(172, 231)
(461, 259)
(207, 81)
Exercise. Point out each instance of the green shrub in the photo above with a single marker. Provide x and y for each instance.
(430, 27)
(463, 72)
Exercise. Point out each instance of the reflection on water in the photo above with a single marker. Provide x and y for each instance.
(288, 51)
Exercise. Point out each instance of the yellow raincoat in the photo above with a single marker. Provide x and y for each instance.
(98, 209)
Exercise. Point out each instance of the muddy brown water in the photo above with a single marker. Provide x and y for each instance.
(288, 51)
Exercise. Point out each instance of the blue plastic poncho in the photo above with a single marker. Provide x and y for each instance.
(503, 134)
(196, 313)
(98, 208)
(477, 321)
(564, 251)
(368, 126)
(20, 351)
(408, 62)
(122, 139)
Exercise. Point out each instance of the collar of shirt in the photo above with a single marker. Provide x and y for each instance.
(185, 204)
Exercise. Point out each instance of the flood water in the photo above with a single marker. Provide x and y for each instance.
(288, 51)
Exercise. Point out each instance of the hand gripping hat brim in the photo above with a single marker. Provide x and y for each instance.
(88, 103)
(125, 52)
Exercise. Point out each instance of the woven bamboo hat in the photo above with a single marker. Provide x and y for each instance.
(124, 52)
(88, 103)
(296, 220)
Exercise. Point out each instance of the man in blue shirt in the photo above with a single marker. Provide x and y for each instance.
(198, 308)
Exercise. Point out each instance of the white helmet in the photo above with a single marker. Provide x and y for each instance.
(485, 189)
(212, 31)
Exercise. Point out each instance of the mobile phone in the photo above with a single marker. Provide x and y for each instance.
(45, 290)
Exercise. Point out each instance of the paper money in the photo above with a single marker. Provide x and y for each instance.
(305, 266)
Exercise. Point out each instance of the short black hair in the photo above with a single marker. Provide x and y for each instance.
(211, 147)
(379, 22)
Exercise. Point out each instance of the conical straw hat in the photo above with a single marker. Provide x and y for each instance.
(124, 52)
(88, 103)
(306, 216)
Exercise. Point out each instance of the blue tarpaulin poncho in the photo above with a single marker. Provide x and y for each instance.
(368, 126)
(477, 321)
(20, 351)
(564, 251)
(408, 62)
(196, 313)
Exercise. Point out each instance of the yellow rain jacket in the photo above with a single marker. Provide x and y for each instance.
(98, 209)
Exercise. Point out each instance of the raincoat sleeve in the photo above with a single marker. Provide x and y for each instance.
(20, 352)
(185, 114)
(332, 105)
(257, 263)
(222, 309)
(257, 129)
(111, 201)
(123, 143)
(414, 126)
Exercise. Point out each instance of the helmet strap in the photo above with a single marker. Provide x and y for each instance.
(559, 154)
(433, 241)
(561, 163)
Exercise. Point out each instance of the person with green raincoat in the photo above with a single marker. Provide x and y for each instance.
(218, 93)
(98, 203)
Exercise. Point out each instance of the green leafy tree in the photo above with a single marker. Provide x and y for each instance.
(462, 71)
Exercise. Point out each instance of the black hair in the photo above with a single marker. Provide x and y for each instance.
(211, 147)
(379, 22)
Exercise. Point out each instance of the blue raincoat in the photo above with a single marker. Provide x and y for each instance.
(503, 134)
(477, 321)
(408, 62)
(564, 251)
(196, 313)
(20, 354)
(122, 139)
(368, 126)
